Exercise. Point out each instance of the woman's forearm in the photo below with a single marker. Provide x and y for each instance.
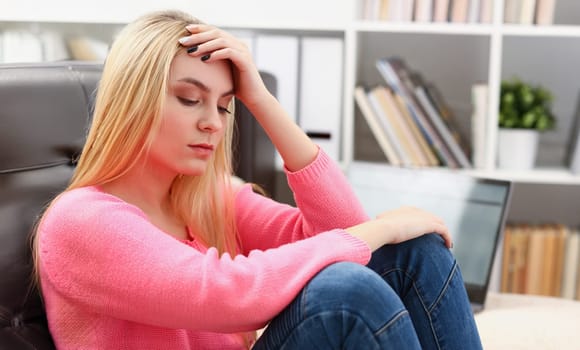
(295, 147)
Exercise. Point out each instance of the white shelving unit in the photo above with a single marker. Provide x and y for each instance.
(453, 56)
(496, 42)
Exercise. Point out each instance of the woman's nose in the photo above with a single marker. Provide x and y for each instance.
(211, 120)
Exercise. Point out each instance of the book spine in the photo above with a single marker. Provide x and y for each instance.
(441, 128)
(545, 12)
(404, 135)
(479, 95)
(389, 130)
(376, 128)
(397, 85)
(441, 11)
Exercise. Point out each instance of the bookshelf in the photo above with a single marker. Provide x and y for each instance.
(454, 56)
(495, 50)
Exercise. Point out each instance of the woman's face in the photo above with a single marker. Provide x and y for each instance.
(194, 117)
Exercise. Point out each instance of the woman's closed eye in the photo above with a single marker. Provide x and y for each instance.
(187, 102)
(224, 110)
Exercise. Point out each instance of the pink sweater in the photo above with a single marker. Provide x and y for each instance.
(112, 280)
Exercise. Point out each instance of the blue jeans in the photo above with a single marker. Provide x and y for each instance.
(410, 296)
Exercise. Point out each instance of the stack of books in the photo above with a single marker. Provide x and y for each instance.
(410, 121)
(458, 11)
(541, 260)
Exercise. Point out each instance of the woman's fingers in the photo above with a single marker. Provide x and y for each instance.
(413, 222)
(444, 233)
(212, 44)
(207, 38)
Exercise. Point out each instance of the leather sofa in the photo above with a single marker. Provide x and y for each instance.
(44, 112)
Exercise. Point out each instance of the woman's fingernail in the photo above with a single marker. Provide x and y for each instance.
(192, 49)
(205, 57)
(183, 40)
(191, 26)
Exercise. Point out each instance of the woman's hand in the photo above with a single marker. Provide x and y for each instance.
(399, 225)
(210, 43)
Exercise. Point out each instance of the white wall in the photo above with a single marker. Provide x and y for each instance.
(229, 12)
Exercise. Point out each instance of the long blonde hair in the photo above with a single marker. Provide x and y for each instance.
(127, 114)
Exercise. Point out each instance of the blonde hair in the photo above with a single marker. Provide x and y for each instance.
(127, 115)
(128, 112)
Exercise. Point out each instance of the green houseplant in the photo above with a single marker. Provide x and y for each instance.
(525, 111)
(523, 106)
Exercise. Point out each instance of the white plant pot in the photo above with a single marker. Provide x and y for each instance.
(517, 148)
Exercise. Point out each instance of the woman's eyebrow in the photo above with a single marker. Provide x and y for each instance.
(202, 86)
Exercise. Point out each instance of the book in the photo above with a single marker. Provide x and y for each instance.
(380, 134)
(571, 262)
(441, 106)
(511, 12)
(432, 159)
(474, 11)
(440, 10)
(545, 12)
(549, 259)
(400, 126)
(508, 261)
(384, 10)
(397, 78)
(527, 11)
(441, 128)
(371, 10)
(389, 129)
(522, 243)
(514, 261)
(535, 262)
(479, 96)
(486, 12)
(561, 232)
(423, 11)
(571, 269)
(400, 10)
(459, 10)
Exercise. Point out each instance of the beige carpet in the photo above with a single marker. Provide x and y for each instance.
(517, 322)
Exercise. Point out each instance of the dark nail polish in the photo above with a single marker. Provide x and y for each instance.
(205, 57)
(192, 49)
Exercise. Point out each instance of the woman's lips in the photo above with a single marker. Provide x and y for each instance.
(202, 149)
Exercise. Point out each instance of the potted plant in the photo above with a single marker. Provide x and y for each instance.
(524, 112)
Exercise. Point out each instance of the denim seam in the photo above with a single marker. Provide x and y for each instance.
(425, 308)
(413, 283)
(444, 289)
(391, 322)
(428, 313)
(376, 333)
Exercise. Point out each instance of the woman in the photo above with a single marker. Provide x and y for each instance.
(152, 247)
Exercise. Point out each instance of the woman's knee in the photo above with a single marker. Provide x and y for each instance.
(343, 306)
(428, 249)
(352, 288)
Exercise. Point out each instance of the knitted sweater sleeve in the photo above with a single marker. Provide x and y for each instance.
(324, 201)
(103, 256)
